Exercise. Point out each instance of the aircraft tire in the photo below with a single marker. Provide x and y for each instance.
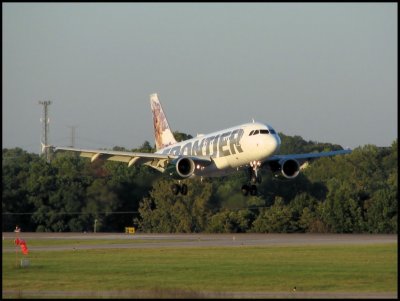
(245, 189)
(253, 190)
(175, 188)
(184, 189)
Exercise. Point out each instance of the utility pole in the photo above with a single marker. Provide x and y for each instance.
(45, 130)
(72, 127)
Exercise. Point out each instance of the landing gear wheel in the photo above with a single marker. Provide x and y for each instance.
(184, 189)
(245, 189)
(175, 189)
(253, 190)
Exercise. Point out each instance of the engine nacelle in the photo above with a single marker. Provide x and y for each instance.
(285, 169)
(182, 168)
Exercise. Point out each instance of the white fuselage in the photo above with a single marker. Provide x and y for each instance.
(230, 148)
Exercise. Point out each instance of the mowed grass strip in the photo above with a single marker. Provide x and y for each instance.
(355, 268)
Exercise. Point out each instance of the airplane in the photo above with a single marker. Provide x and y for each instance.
(248, 146)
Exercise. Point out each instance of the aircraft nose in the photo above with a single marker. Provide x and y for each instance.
(272, 144)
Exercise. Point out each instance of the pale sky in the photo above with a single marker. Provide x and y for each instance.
(323, 71)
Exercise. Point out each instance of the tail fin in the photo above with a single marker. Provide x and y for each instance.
(162, 132)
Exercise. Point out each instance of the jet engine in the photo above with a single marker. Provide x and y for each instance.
(181, 168)
(285, 169)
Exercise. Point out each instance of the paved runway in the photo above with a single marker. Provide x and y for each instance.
(144, 240)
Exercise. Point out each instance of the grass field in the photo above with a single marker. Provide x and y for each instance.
(354, 268)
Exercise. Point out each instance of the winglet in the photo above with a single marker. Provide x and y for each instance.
(162, 132)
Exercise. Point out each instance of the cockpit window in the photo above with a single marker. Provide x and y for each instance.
(272, 131)
(263, 132)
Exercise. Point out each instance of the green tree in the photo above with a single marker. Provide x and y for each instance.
(229, 221)
(41, 185)
(352, 193)
(275, 219)
(15, 174)
(179, 136)
(382, 211)
(145, 148)
(101, 201)
(341, 212)
(165, 212)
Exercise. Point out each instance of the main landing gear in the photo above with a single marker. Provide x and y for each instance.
(254, 178)
(177, 188)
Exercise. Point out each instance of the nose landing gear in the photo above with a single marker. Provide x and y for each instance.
(254, 178)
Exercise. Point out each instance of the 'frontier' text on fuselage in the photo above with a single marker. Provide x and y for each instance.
(221, 145)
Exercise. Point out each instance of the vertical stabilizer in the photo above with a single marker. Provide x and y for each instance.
(162, 132)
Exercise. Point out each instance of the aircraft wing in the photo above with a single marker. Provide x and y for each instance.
(156, 161)
(302, 158)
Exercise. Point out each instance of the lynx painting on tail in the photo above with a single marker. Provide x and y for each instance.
(162, 132)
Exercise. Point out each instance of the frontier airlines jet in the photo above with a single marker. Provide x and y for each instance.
(248, 147)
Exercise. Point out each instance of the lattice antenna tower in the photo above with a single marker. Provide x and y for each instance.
(45, 130)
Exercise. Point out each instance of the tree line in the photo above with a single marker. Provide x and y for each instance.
(355, 193)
